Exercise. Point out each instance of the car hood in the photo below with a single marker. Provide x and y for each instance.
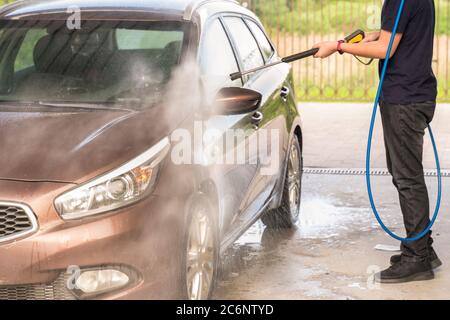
(74, 146)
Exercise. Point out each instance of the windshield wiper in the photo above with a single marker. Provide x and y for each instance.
(82, 105)
(17, 101)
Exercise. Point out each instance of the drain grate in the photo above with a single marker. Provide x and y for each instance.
(362, 172)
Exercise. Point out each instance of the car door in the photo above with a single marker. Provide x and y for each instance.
(271, 128)
(277, 111)
(233, 176)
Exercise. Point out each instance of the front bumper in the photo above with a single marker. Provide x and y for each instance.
(143, 238)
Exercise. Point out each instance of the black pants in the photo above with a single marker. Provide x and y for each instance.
(404, 128)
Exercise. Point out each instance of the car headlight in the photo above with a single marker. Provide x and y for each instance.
(127, 184)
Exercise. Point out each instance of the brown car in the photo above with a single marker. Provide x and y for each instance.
(94, 97)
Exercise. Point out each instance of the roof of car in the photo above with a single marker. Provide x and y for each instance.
(181, 9)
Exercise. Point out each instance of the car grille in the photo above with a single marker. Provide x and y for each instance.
(16, 220)
(57, 290)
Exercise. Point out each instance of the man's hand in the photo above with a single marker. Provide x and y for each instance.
(326, 49)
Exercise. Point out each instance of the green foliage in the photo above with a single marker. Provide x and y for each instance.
(351, 90)
(323, 18)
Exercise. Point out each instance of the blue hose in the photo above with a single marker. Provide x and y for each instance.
(369, 147)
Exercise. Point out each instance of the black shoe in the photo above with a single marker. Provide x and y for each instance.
(434, 259)
(406, 272)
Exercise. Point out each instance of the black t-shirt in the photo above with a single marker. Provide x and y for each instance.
(409, 77)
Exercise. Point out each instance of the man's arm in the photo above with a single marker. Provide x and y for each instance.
(373, 49)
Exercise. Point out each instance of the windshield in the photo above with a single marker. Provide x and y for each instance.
(102, 62)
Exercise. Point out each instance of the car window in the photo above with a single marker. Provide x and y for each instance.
(129, 39)
(24, 57)
(263, 42)
(217, 58)
(58, 64)
(245, 43)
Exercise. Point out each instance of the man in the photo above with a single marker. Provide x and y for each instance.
(407, 104)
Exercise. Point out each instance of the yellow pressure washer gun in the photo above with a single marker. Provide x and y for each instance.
(355, 37)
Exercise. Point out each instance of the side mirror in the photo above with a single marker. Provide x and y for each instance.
(233, 101)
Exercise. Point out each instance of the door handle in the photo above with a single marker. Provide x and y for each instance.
(257, 117)
(284, 93)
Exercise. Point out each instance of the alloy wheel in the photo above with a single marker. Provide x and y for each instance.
(200, 256)
(294, 182)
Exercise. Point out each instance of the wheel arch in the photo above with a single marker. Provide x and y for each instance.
(299, 134)
(210, 191)
(296, 133)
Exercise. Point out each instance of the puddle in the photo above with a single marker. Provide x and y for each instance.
(323, 218)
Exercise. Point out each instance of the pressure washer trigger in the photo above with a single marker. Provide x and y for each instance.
(355, 37)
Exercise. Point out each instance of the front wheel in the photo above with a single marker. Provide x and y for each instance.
(286, 216)
(201, 251)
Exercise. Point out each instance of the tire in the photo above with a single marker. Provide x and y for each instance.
(201, 251)
(286, 216)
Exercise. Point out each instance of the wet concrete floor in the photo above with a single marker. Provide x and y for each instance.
(331, 254)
